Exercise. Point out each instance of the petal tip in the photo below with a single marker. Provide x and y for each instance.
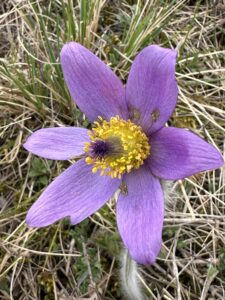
(29, 221)
(147, 259)
(170, 51)
(30, 143)
(220, 160)
(26, 145)
(34, 219)
(68, 47)
(217, 157)
(33, 222)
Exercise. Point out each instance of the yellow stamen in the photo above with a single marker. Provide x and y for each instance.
(128, 137)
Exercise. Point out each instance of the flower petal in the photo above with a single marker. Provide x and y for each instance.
(77, 192)
(177, 153)
(140, 215)
(93, 86)
(61, 143)
(151, 92)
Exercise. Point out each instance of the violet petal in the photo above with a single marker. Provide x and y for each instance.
(151, 92)
(60, 143)
(177, 153)
(93, 86)
(140, 215)
(77, 192)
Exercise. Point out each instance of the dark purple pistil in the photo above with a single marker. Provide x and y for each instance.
(99, 149)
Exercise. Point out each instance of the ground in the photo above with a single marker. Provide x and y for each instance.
(64, 262)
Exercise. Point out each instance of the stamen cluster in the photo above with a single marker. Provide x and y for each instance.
(128, 145)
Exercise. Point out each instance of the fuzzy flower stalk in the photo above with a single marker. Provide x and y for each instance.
(128, 148)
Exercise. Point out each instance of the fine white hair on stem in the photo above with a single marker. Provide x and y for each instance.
(129, 277)
(169, 193)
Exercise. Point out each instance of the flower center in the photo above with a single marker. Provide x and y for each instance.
(116, 147)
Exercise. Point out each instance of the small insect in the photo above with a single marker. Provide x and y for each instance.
(123, 188)
(155, 115)
(135, 114)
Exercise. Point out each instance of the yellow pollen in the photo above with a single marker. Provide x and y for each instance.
(126, 136)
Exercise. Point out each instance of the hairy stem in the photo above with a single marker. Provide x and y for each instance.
(129, 277)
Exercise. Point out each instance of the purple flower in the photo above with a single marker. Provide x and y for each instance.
(128, 147)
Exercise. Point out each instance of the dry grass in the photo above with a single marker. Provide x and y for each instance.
(63, 262)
